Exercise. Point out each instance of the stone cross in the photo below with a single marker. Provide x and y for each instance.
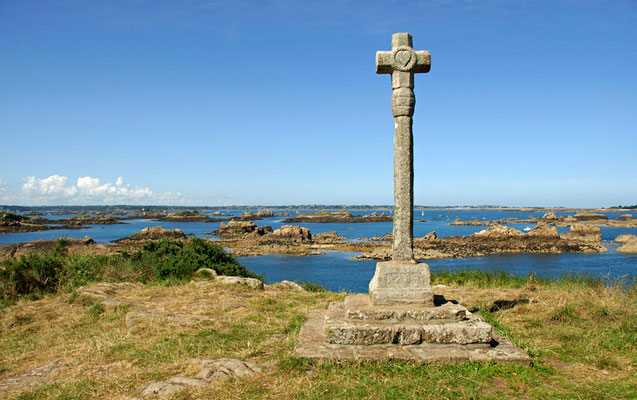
(402, 62)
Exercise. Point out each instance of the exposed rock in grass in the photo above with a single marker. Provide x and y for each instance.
(29, 380)
(236, 280)
(224, 368)
(213, 370)
(286, 285)
(205, 273)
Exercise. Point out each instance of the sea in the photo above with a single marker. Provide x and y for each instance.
(337, 271)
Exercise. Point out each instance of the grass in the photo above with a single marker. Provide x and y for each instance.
(581, 335)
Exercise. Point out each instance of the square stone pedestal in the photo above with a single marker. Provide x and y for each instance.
(401, 282)
(359, 328)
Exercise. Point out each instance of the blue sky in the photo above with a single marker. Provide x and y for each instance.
(277, 102)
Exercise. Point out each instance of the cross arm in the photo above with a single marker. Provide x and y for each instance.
(386, 62)
(423, 61)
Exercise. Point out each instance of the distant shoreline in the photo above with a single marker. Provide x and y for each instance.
(77, 209)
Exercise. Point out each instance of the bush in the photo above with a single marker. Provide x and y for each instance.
(179, 260)
(31, 273)
(312, 286)
(39, 273)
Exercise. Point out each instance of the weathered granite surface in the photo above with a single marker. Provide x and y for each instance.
(402, 62)
(323, 337)
(401, 282)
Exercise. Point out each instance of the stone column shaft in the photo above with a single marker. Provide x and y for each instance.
(402, 246)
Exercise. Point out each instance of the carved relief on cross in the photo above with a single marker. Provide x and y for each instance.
(402, 62)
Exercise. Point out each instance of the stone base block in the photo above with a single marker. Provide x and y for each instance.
(360, 307)
(401, 282)
(463, 332)
(312, 344)
(358, 329)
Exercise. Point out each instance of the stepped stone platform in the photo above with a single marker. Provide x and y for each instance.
(445, 332)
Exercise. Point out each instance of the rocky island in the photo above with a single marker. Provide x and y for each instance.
(188, 216)
(13, 223)
(79, 220)
(550, 218)
(246, 239)
(339, 217)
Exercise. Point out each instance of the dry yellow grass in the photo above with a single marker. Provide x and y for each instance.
(578, 335)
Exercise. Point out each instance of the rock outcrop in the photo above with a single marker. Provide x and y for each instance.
(542, 230)
(431, 236)
(153, 233)
(13, 223)
(83, 220)
(286, 285)
(498, 232)
(241, 228)
(551, 216)
(328, 237)
(589, 216)
(625, 238)
(237, 280)
(212, 370)
(629, 243)
(584, 233)
(289, 233)
(625, 217)
(32, 379)
(472, 222)
(250, 216)
(187, 216)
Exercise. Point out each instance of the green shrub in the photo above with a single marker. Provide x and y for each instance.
(80, 270)
(179, 260)
(311, 286)
(33, 274)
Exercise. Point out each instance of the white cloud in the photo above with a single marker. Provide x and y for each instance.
(53, 186)
(89, 190)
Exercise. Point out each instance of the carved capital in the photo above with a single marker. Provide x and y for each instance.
(403, 102)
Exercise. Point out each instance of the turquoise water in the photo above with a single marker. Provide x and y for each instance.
(337, 272)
